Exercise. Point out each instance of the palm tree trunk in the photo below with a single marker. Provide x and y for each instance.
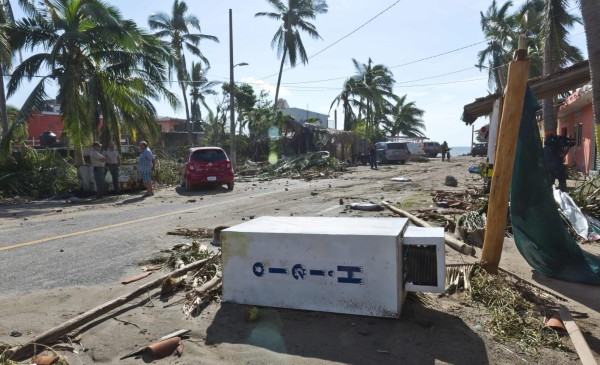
(590, 10)
(3, 111)
(187, 115)
(548, 111)
(279, 83)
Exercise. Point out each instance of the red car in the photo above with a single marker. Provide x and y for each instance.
(207, 166)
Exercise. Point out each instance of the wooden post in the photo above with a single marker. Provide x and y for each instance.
(512, 109)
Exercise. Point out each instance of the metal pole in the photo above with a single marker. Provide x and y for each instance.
(231, 98)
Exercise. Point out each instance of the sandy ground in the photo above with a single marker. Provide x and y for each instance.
(448, 331)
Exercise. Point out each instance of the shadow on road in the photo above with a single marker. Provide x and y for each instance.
(422, 336)
(202, 190)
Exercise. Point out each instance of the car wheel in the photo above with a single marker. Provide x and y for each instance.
(230, 186)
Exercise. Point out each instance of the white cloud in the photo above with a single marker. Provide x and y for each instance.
(263, 85)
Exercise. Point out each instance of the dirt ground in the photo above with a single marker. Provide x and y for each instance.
(446, 330)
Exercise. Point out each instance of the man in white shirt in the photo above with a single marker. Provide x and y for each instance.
(99, 172)
(113, 161)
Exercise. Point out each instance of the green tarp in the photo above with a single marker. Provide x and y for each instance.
(540, 234)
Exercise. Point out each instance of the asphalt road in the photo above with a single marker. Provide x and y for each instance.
(52, 244)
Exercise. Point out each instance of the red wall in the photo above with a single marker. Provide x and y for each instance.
(42, 122)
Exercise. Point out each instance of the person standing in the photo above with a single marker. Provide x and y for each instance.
(373, 156)
(445, 151)
(145, 166)
(99, 171)
(113, 161)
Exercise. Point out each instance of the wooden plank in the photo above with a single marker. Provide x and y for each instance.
(503, 165)
(583, 350)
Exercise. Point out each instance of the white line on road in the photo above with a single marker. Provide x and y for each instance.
(29, 243)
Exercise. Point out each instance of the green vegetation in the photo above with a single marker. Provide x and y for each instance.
(36, 174)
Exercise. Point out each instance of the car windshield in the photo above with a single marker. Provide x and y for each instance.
(208, 155)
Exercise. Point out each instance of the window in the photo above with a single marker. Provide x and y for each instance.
(579, 134)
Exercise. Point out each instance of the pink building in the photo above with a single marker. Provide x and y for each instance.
(576, 120)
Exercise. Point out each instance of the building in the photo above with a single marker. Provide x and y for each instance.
(303, 115)
(168, 124)
(576, 120)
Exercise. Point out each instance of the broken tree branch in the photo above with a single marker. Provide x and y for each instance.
(18, 353)
(450, 241)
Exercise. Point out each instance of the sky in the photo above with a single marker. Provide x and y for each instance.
(430, 46)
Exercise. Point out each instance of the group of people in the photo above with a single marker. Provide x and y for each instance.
(109, 160)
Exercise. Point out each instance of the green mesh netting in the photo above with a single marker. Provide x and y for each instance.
(540, 234)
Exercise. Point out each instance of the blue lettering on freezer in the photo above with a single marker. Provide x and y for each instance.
(346, 274)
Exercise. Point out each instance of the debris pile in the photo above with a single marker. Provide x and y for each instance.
(200, 286)
(517, 310)
(310, 166)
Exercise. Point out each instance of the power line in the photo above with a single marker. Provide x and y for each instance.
(341, 39)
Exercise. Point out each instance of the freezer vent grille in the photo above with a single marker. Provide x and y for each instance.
(421, 265)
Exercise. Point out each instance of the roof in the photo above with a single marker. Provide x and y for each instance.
(559, 82)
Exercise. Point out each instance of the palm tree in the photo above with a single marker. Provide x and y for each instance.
(557, 50)
(287, 39)
(373, 86)
(406, 119)
(101, 64)
(345, 97)
(496, 26)
(199, 88)
(177, 27)
(590, 9)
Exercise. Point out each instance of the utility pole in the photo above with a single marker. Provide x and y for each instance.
(231, 99)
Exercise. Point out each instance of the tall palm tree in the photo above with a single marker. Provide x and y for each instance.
(97, 60)
(177, 27)
(373, 87)
(345, 97)
(287, 39)
(497, 29)
(590, 9)
(406, 119)
(557, 50)
(199, 88)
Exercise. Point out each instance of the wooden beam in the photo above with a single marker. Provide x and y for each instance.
(455, 244)
(559, 82)
(581, 346)
(504, 162)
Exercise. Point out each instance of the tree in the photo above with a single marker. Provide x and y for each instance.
(345, 97)
(406, 119)
(199, 88)
(177, 27)
(590, 9)
(557, 50)
(100, 63)
(497, 29)
(245, 99)
(294, 17)
(373, 86)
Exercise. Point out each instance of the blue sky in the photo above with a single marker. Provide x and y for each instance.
(399, 38)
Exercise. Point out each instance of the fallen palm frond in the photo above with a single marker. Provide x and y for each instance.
(587, 197)
(4, 347)
(200, 286)
(517, 309)
(192, 233)
(309, 166)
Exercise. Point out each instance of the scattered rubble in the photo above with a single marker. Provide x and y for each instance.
(314, 165)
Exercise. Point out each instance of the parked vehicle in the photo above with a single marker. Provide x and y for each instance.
(207, 166)
(479, 149)
(431, 149)
(392, 152)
